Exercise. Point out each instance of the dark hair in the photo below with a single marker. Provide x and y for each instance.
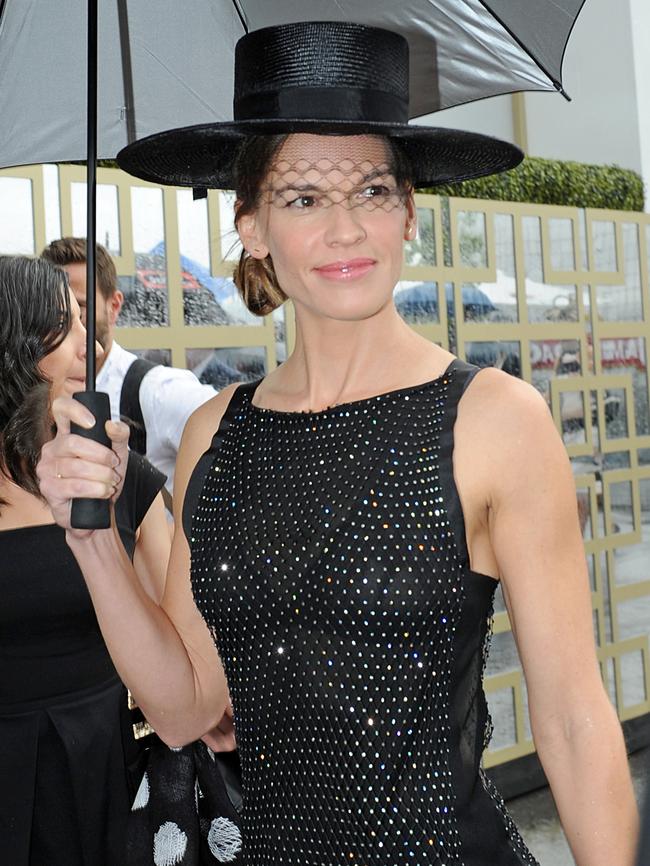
(73, 251)
(256, 278)
(35, 317)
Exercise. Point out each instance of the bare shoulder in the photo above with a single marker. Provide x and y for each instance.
(203, 422)
(498, 404)
(505, 435)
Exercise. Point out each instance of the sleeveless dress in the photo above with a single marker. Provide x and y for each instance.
(66, 738)
(329, 560)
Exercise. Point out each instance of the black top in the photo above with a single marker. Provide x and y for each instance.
(65, 734)
(46, 618)
(329, 559)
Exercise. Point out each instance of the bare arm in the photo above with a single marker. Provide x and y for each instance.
(164, 654)
(152, 549)
(534, 534)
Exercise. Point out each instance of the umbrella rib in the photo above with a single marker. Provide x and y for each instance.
(127, 70)
(557, 84)
(240, 14)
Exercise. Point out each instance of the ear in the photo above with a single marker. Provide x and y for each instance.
(250, 235)
(411, 220)
(115, 305)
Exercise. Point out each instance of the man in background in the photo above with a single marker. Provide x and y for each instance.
(156, 400)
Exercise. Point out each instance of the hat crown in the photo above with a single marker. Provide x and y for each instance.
(322, 78)
(321, 56)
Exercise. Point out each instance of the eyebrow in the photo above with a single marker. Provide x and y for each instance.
(310, 187)
(294, 187)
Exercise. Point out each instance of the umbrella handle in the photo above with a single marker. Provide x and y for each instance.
(93, 513)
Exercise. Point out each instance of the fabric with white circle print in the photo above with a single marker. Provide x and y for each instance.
(182, 813)
(142, 797)
(169, 845)
(224, 840)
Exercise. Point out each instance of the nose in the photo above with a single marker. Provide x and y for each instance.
(80, 338)
(345, 226)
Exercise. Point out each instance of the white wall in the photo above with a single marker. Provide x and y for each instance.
(490, 116)
(600, 124)
(640, 10)
(606, 73)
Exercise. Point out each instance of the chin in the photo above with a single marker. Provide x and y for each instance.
(355, 311)
(73, 387)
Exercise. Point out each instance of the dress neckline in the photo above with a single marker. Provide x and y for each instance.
(309, 413)
(30, 526)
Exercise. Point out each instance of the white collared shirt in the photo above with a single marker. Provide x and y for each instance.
(168, 396)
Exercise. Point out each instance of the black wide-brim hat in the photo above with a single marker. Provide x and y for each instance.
(323, 77)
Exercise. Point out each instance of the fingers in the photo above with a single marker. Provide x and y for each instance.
(73, 447)
(220, 742)
(66, 410)
(76, 488)
(73, 467)
(222, 737)
(118, 433)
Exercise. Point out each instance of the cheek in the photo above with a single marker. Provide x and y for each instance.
(48, 366)
(56, 365)
(291, 250)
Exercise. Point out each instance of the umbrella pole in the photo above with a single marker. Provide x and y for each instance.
(92, 513)
(91, 195)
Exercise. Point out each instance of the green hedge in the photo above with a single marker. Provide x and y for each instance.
(550, 181)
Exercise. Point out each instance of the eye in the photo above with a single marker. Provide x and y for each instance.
(377, 195)
(302, 202)
(377, 190)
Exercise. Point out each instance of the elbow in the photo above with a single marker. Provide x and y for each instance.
(175, 735)
(175, 740)
(181, 731)
(577, 729)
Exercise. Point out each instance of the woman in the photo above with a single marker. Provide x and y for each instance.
(67, 748)
(345, 526)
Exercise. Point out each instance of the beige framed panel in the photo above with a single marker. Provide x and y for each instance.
(76, 174)
(33, 174)
(617, 525)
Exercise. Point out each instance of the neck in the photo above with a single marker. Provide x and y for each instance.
(101, 360)
(20, 508)
(337, 362)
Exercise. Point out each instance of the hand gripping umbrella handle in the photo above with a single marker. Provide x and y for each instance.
(93, 513)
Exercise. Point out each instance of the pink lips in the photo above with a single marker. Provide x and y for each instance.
(351, 269)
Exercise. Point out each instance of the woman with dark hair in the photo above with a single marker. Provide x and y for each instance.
(346, 519)
(67, 748)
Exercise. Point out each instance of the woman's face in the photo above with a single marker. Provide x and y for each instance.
(334, 223)
(65, 367)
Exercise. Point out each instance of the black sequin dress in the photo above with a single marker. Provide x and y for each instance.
(329, 559)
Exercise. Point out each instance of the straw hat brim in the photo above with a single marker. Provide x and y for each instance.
(204, 155)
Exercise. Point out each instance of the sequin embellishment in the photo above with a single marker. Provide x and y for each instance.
(325, 562)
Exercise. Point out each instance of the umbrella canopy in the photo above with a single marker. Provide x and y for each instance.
(169, 64)
(81, 80)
